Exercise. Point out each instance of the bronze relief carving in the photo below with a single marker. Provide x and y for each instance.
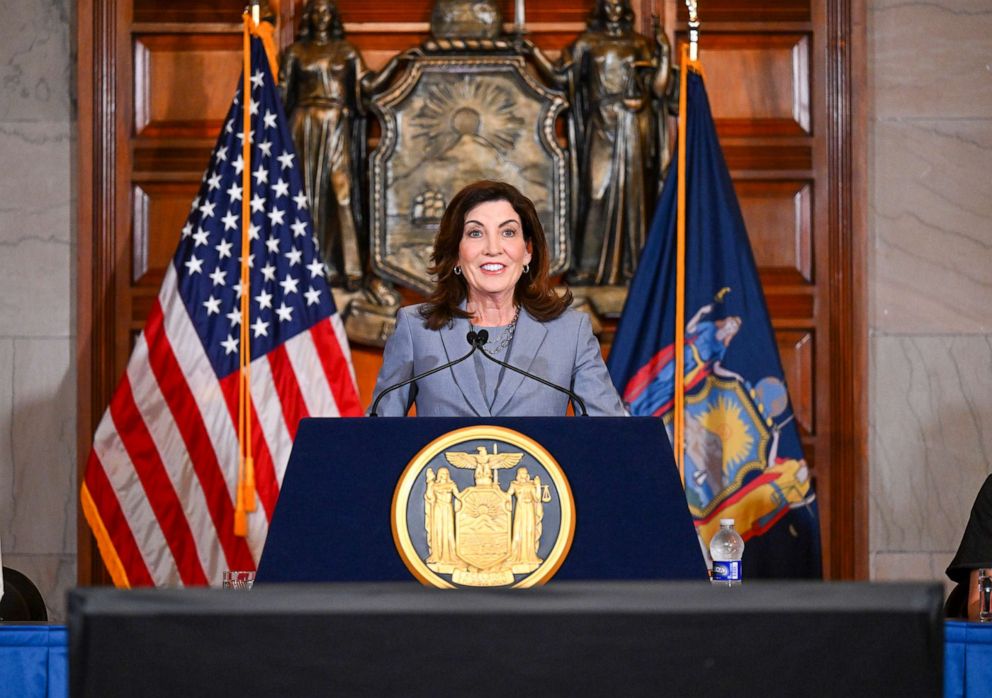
(454, 118)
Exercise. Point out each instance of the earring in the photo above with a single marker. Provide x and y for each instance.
(458, 271)
(526, 268)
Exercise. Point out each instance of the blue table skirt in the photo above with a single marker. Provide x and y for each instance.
(967, 659)
(34, 660)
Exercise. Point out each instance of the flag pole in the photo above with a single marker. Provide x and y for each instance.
(690, 55)
(245, 494)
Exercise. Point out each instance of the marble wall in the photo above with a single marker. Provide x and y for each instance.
(930, 203)
(37, 296)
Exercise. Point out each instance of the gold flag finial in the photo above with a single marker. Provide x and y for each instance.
(692, 6)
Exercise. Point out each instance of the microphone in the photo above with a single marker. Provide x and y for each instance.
(473, 340)
(482, 336)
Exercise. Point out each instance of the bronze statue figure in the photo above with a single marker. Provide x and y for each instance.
(320, 78)
(617, 81)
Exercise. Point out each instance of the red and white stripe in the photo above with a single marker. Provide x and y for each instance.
(163, 470)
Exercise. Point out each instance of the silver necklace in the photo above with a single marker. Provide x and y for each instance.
(503, 341)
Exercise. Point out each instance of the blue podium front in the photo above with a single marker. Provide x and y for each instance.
(333, 518)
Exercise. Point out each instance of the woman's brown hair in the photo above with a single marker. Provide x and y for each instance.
(534, 292)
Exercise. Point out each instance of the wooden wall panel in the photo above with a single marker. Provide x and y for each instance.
(155, 80)
(394, 11)
(188, 11)
(758, 83)
(796, 350)
(160, 210)
(183, 83)
(778, 215)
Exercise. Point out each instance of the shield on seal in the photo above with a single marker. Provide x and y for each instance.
(482, 526)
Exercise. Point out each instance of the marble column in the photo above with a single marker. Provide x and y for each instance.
(930, 198)
(37, 296)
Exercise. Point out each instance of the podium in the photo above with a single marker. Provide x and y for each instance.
(333, 519)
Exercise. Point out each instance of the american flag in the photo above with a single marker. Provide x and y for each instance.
(160, 484)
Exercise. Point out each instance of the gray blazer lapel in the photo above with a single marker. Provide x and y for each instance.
(465, 377)
(527, 341)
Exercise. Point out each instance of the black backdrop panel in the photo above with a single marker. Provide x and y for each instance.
(608, 638)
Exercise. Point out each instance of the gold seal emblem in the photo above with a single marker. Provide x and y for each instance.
(458, 523)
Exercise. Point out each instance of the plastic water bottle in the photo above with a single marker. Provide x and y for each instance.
(726, 549)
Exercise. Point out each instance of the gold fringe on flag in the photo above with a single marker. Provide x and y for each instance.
(246, 500)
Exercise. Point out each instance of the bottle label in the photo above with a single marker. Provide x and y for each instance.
(727, 571)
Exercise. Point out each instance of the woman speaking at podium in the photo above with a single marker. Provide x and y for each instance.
(494, 300)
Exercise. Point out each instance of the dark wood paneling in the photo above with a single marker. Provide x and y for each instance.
(160, 210)
(796, 349)
(750, 11)
(758, 83)
(153, 88)
(766, 156)
(183, 83)
(392, 11)
(779, 222)
(188, 10)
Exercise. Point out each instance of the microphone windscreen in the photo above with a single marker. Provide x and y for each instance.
(471, 338)
(482, 337)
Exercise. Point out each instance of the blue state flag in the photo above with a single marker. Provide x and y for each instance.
(743, 457)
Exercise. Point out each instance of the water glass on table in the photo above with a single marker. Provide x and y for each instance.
(985, 595)
(239, 579)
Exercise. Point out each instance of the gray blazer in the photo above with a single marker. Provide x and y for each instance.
(563, 351)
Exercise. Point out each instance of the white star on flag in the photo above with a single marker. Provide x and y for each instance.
(212, 305)
(284, 312)
(316, 268)
(264, 300)
(289, 284)
(260, 328)
(230, 221)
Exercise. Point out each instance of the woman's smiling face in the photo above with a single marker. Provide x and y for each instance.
(493, 251)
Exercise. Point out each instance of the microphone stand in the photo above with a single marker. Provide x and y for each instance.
(472, 339)
(482, 336)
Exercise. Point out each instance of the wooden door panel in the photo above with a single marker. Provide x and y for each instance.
(758, 83)
(778, 216)
(751, 11)
(183, 83)
(796, 349)
(160, 210)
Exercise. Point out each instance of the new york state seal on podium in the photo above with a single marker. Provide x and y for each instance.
(483, 506)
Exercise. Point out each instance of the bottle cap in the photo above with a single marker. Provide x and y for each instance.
(726, 522)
